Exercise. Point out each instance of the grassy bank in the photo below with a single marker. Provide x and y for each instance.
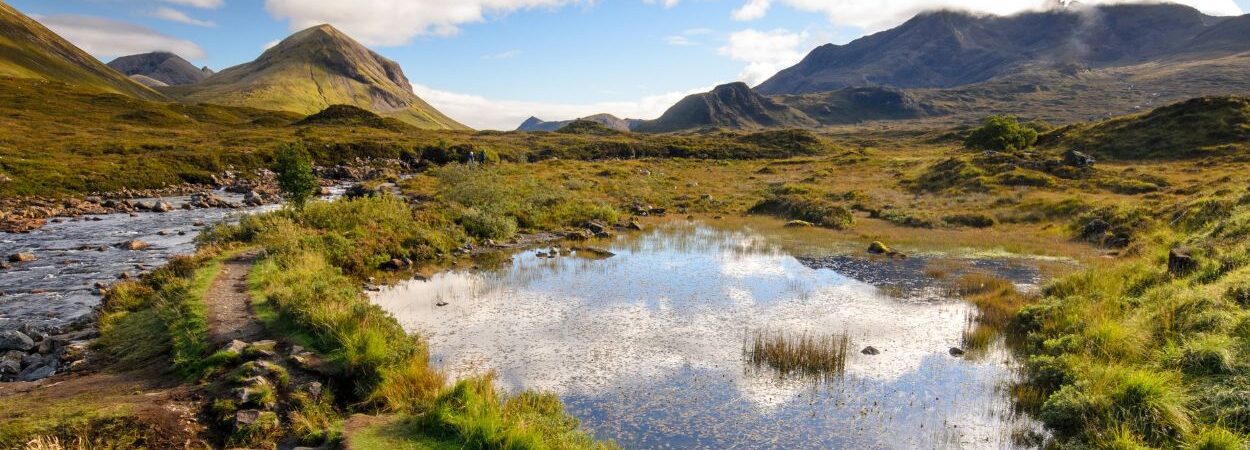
(1135, 354)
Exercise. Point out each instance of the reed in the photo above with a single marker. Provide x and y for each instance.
(805, 355)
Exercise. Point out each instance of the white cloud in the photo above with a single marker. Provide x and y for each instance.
(171, 14)
(503, 55)
(765, 52)
(204, 4)
(687, 37)
(679, 40)
(490, 114)
(666, 3)
(875, 15)
(110, 38)
(397, 22)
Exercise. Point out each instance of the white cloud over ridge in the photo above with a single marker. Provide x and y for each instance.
(875, 15)
(488, 114)
(766, 52)
(397, 22)
(110, 38)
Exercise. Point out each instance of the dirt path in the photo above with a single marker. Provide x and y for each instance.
(229, 304)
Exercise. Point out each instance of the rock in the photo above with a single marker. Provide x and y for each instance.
(33, 359)
(246, 417)
(658, 211)
(11, 364)
(46, 346)
(310, 362)
(1077, 159)
(265, 349)
(956, 351)
(124, 276)
(634, 225)
(134, 245)
(1095, 229)
(597, 227)
(870, 350)
(579, 235)
(15, 340)
(1181, 262)
(441, 303)
(22, 257)
(236, 346)
(5, 265)
(35, 373)
(394, 264)
(313, 389)
(878, 248)
(800, 224)
(162, 207)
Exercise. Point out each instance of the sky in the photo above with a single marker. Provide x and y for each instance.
(493, 63)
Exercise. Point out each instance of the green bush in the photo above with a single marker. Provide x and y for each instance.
(818, 211)
(974, 220)
(295, 174)
(1003, 133)
(484, 225)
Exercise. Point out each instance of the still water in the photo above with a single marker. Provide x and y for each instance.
(646, 347)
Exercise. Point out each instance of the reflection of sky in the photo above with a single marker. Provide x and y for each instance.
(656, 333)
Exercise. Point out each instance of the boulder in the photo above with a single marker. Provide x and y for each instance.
(956, 351)
(593, 252)
(870, 350)
(879, 248)
(134, 245)
(261, 349)
(236, 347)
(1181, 262)
(800, 224)
(310, 362)
(11, 364)
(1077, 159)
(15, 340)
(634, 225)
(22, 257)
(246, 417)
(38, 372)
(162, 207)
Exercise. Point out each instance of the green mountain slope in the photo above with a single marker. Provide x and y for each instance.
(733, 106)
(312, 70)
(1198, 127)
(30, 50)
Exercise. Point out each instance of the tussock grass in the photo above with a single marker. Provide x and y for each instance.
(813, 356)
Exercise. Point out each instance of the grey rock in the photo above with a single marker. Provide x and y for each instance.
(15, 340)
(246, 416)
(22, 257)
(956, 351)
(35, 373)
(870, 350)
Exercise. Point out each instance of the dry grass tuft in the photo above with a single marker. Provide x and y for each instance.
(816, 356)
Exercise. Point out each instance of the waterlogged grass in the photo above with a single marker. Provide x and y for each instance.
(1129, 353)
(805, 355)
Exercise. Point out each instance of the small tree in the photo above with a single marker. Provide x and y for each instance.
(295, 174)
(1001, 133)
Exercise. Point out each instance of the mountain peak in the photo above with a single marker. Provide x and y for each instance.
(165, 67)
(318, 67)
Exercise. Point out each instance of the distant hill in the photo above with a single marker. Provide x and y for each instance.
(1196, 127)
(733, 106)
(607, 120)
(947, 49)
(165, 67)
(30, 50)
(312, 70)
(348, 115)
(588, 127)
(853, 105)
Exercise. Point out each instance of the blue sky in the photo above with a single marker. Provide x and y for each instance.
(492, 63)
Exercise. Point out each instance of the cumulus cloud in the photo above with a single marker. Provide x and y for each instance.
(110, 38)
(174, 15)
(877, 15)
(491, 114)
(765, 52)
(204, 4)
(397, 22)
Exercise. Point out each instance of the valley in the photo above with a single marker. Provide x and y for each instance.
(942, 235)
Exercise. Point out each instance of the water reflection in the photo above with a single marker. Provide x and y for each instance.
(646, 347)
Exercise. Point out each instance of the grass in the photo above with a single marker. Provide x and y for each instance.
(816, 357)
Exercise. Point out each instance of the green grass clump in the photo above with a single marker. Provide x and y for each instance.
(477, 417)
(796, 202)
(1128, 352)
(951, 174)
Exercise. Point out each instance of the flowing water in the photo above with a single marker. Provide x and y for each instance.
(76, 253)
(647, 347)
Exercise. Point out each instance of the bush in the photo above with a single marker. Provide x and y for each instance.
(973, 220)
(295, 174)
(484, 225)
(1003, 133)
(818, 211)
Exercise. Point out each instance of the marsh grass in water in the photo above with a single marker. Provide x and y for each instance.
(814, 356)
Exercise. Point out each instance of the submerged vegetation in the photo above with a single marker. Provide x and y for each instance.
(816, 357)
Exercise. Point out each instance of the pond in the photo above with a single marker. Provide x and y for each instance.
(647, 347)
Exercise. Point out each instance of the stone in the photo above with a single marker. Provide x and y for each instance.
(35, 373)
(1181, 261)
(799, 224)
(15, 340)
(236, 346)
(265, 349)
(162, 207)
(634, 225)
(597, 227)
(593, 252)
(313, 388)
(10, 366)
(310, 362)
(870, 350)
(33, 359)
(879, 248)
(47, 346)
(956, 351)
(1077, 159)
(246, 416)
(22, 257)
(134, 245)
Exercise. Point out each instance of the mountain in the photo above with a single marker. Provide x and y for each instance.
(853, 105)
(312, 70)
(1199, 127)
(946, 49)
(30, 50)
(165, 67)
(607, 120)
(732, 105)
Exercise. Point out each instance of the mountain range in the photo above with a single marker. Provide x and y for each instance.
(1066, 64)
(607, 120)
(160, 69)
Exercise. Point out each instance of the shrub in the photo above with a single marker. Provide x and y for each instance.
(485, 225)
(973, 220)
(818, 211)
(1002, 133)
(295, 174)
